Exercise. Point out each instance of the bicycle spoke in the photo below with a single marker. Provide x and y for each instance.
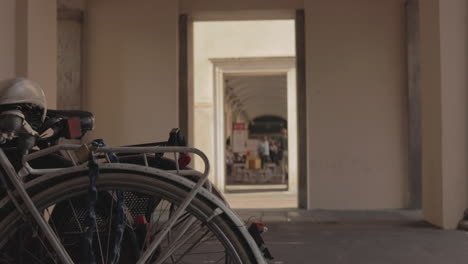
(75, 216)
(5, 258)
(153, 227)
(46, 248)
(155, 224)
(49, 219)
(110, 225)
(99, 241)
(169, 235)
(176, 244)
(225, 258)
(6, 261)
(195, 245)
(32, 255)
(191, 238)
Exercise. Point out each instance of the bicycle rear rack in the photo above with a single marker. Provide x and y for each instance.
(69, 148)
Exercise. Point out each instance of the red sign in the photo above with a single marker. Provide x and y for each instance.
(238, 126)
(239, 137)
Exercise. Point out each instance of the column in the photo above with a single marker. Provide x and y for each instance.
(444, 82)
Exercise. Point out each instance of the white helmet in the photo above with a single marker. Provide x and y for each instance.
(22, 91)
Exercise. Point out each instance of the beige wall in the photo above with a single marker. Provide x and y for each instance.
(69, 64)
(131, 69)
(7, 41)
(356, 94)
(454, 62)
(356, 85)
(42, 46)
(193, 6)
(431, 112)
(28, 47)
(355, 77)
(72, 4)
(444, 41)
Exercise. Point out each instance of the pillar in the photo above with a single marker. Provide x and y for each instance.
(444, 94)
(7, 41)
(35, 44)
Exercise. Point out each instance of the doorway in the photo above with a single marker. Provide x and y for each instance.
(255, 128)
(258, 99)
(234, 64)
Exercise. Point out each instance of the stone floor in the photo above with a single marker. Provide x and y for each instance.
(271, 174)
(369, 237)
(262, 200)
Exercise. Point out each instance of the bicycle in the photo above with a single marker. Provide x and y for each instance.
(79, 203)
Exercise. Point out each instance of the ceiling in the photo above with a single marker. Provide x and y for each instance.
(258, 95)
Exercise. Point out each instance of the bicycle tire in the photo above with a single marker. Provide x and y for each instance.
(76, 187)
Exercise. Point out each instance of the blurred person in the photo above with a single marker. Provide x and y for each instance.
(274, 151)
(284, 151)
(229, 160)
(264, 150)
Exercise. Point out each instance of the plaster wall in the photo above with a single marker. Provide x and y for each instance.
(444, 40)
(235, 39)
(357, 112)
(194, 6)
(7, 41)
(28, 44)
(355, 87)
(431, 112)
(69, 77)
(42, 46)
(454, 62)
(69, 55)
(71, 4)
(131, 69)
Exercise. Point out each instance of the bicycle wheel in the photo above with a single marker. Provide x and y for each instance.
(200, 235)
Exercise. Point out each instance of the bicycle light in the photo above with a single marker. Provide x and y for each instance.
(184, 160)
(74, 127)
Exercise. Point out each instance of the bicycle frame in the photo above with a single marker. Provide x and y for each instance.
(174, 176)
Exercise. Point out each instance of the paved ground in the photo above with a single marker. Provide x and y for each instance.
(384, 237)
(262, 200)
